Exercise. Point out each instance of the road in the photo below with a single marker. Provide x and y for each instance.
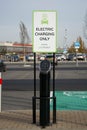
(67, 77)
(18, 83)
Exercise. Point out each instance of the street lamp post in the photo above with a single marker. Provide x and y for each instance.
(24, 60)
(76, 58)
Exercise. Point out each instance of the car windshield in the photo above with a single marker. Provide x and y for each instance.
(31, 55)
(49, 56)
(59, 55)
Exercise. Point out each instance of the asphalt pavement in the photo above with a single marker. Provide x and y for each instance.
(18, 83)
(16, 102)
(67, 77)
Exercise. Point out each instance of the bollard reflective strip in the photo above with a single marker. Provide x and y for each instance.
(1, 81)
(0, 90)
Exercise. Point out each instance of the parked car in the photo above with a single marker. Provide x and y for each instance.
(42, 57)
(2, 66)
(80, 56)
(71, 57)
(50, 58)
(61, 57)
(30, 57)
(85, 56)
(14, 58)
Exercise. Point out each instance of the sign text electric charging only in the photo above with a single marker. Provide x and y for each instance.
(44, 31)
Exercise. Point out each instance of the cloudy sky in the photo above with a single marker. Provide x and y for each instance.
(70, 13)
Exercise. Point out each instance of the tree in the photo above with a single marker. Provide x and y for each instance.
(24, 37)
(24, 34)
(71, 49)
(82, 48)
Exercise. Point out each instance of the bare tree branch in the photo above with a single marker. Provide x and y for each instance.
(24, 34)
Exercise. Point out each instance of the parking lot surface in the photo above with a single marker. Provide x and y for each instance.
(16, 114)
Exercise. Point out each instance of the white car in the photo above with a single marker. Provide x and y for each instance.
(42, 57)
(30, 57)
(80, 56)
(61, 57)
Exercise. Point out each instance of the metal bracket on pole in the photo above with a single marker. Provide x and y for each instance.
(54, 101)
(34, 98)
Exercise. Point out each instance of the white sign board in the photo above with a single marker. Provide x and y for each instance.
(44, 35)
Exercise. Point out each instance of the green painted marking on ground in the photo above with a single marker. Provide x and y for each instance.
(70, 100)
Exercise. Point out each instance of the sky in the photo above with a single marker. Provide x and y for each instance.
(70, 14)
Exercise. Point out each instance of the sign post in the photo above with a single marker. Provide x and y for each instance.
(44, 39)
(76, 45)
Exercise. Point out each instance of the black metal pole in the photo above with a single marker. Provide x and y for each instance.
(54, 98)
(44, 99)
(34, 98)
(34, 74)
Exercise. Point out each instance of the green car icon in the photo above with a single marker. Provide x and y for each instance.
(44, 21)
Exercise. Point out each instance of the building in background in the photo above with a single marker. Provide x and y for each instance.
(18, 48)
